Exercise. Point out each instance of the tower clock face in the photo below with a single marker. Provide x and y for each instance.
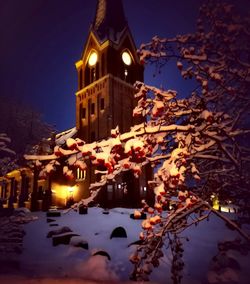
(126, 58)
(92, 58)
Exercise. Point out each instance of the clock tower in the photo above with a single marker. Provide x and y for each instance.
(107, 70)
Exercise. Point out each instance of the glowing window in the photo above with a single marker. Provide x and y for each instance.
(126, 58)
(93, 58)
(80, 174)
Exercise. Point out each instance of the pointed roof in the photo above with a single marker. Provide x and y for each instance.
(110, 21)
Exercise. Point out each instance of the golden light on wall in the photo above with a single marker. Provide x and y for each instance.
(63, 192)
(14, 174)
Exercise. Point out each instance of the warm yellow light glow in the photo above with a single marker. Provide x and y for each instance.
(216, 206)
(126, 58)
(228, 208)
(14, 174)
(93, 58)
(41, 182)
(216, 203)
(224, 209)
(71, 189)
(78, 64)
(63, 191)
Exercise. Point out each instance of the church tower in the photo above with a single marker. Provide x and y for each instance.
(107, 70)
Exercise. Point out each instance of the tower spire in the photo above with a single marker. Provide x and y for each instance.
(109, 20)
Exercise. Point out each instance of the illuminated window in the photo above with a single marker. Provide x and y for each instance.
(80, 174)
(143, 191)
(119, 192)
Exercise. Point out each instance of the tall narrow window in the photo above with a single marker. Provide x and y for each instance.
(84, 112)
(102, 104)
(92, 108)
(80, 80)
(80, 111)
(110, 192)
(97, 71)
(87, 76)
(80, 174)
(93, 75)
(92, 136)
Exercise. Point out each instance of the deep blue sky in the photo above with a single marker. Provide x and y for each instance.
(40, 40)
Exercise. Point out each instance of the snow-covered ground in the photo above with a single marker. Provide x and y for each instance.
(41, 262)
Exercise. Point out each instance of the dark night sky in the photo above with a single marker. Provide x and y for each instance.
(40, 40)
